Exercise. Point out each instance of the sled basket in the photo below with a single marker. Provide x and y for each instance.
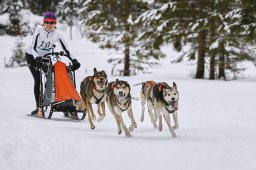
(65, 106)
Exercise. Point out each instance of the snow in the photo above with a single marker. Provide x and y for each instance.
(217, 122)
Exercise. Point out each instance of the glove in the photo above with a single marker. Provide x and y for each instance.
(75, 64)
(39, 62)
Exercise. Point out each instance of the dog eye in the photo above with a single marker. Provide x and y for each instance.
(168, 94)
(174, 93)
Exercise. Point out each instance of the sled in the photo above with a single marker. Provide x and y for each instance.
(58, 87)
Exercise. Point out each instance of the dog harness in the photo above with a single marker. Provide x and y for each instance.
(98, 100)
(100, 91)
(124, 104)
(175, 107)
(117, 101)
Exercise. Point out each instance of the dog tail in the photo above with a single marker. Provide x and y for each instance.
(137, 84)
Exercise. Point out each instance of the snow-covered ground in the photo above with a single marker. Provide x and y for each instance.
(217, 123)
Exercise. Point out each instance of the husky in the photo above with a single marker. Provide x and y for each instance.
(165, 100)
(119, 100)
(160, 98)
(147, 97)
(93, 91)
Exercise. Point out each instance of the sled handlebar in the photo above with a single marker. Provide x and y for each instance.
(57, 54)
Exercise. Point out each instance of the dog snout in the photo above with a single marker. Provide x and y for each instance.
(101, 79)
(173, 98)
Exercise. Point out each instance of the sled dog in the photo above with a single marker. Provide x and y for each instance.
(93, 91)
(161, 100)
(119, 100)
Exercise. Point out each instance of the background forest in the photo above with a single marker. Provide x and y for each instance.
(217, 35)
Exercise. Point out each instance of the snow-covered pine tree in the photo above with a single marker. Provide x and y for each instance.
(4, 4)
(18, 57)
(39, 7)
(110, 22)
(68, 12)
(210, 26)
(15, 27)
(248, 23)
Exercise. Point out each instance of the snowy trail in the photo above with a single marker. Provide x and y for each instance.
(217, 131)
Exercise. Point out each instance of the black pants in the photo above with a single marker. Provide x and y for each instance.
(36, 75)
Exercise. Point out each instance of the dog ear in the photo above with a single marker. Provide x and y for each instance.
(128, 85)
(160, 88)
(174, 86)
(113, 85)
(94, 70)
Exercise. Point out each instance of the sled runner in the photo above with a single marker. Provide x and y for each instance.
(58, 87)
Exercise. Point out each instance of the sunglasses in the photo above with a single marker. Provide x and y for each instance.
(50, 23)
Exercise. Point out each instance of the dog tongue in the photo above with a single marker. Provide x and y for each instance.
(101, 83)
(121, 95)
(173, 103)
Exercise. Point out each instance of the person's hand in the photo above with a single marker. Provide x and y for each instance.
(76, 64)
(39, 62)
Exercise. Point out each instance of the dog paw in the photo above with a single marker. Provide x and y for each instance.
(128, 134)
(119, 132)
(160, 127)
(174, 135)
(176, 126)
(100, 118)
(131, 128)
(155, 126)
(92, 127)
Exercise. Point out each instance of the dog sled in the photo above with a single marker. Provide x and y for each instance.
(58, 87)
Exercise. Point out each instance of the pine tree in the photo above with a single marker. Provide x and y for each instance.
(110, 22)
(18, 57)
(15, 27)
(39, 7)
(68, 12)
(4, 4)
(211, 27)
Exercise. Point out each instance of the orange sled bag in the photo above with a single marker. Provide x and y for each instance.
(66, 96)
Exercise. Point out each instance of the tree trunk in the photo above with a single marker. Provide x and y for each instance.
(212, 52)
(201, 54)
(127, 60)
(126, 41)
(222, 62)
(212, 66)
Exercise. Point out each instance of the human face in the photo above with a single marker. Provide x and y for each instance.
(49, 26)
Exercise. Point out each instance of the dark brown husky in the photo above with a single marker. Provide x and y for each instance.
(93, 91)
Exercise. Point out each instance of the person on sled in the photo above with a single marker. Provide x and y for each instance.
(42, 43)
